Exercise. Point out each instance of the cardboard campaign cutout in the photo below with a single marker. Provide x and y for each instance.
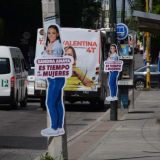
(113, 65)
(53, 66)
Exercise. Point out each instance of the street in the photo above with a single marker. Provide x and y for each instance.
(20, 137)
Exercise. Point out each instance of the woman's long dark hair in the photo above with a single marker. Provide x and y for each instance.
(57, 30)
(113, 46)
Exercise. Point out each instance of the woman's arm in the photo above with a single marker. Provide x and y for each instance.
(82, 78)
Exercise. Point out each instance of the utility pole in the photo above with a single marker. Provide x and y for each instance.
(150, 11)
(113, 26)
(123, 11)
(121, 42)
(148, 81)
(57, 146)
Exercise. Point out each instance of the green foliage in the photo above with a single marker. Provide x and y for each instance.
(47, 157)
(145, 89)
(79, 13)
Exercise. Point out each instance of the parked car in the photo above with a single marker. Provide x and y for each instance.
(31, 82)
(140, 76)
(13, 74)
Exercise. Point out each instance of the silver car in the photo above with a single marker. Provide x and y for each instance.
(31, 82)
(140, 76)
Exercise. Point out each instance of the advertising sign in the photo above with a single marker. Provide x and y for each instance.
(84, 46)
(113, 65)
(124, 49)
(52, 65)
(122, 31)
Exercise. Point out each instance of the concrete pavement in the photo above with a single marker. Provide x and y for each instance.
(136, 135)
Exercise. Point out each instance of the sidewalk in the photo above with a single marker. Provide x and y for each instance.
(134, 136)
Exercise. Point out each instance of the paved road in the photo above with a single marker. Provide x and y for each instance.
(20, 137)
(138, 60)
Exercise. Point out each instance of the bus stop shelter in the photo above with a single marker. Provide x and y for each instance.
(147, 22)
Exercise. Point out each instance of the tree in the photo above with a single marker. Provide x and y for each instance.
(79, 13)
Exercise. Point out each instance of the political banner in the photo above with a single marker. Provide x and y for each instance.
(85, 47)
(54, 67)
(113, 66)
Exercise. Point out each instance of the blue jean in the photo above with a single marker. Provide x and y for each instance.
(55, 102)
(113, 83)
(159, 65)
(145, 62)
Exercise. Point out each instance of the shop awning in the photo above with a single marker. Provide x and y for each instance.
(147, 22)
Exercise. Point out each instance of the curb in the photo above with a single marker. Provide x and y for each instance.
(87, 127)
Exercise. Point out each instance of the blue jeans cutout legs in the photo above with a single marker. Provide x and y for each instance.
(54, 102)
(113, 83)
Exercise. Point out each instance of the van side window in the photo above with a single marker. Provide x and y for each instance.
(4, 66)
(24, 64)
(16, 63)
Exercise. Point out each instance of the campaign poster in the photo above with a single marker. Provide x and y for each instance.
(54, 67)
(113, 65)
(84, 46)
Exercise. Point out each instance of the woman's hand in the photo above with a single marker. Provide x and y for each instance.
(110, 56)
(75, 73)
(49, 48)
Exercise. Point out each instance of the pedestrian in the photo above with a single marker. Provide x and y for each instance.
(145, 57)
(54, 97)
(113, 56)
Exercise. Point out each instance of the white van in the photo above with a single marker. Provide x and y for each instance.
(13, 76)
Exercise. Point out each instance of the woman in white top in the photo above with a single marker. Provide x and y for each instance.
(54, 98)
(53, 45)
(113, 74)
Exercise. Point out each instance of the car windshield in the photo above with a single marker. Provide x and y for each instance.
(31, 72)
(4, 66)
(152, 69)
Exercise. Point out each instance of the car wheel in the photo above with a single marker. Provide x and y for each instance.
(24, 102)
(139, 84)
(43, 102)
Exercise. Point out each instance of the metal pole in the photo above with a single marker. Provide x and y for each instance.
(121, 42)
(57, 146)
(112, 8)
(148, 81)
(133, 71)
(123, 11)
(150, 10)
